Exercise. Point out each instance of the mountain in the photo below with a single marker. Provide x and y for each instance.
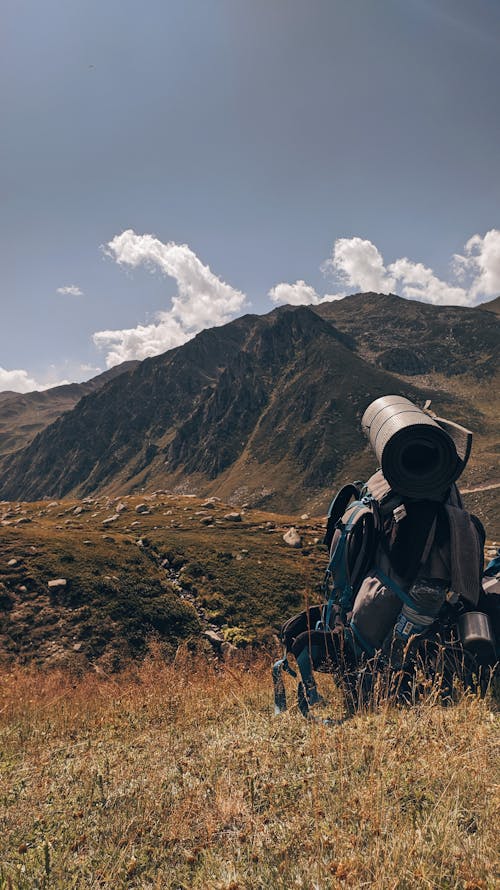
(492, 306)
(266, 409)
(23, 415)
(412, 338)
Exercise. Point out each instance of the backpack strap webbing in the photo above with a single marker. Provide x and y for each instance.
(346, 569)
(338, 507)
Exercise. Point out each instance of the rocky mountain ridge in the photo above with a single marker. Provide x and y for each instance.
(266, 409)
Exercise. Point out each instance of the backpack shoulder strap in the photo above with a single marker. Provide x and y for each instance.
(338, 507)
(353, 546)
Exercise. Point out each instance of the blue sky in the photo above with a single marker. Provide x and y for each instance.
(298, 149)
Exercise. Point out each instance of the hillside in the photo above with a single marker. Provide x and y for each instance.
(180, 777)
(172, 568)
(23, 415)
(157, 567)
(265, 409)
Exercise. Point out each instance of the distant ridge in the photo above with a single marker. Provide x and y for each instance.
(491, 306)
(266, 409)
(23, 415)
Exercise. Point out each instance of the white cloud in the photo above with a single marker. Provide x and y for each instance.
(297, 294)
(70, 290)
(19, 380)
(202, 300)
(300, 294)
(85, 367)
(482, 262)
(358, 264)
(418, 282)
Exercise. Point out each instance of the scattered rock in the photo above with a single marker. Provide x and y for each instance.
(121, 507)
(57, 583)
(292, 538)
(22, 521)
(110, 519)
(77, 511)
(13, 562)
(142, 508)
(305, 516)
(215, 639)
(208, 505)
(207, 520)
(233, 517)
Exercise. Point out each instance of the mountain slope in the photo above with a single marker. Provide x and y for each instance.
(413, 338)
(266, 407)
(23, 415)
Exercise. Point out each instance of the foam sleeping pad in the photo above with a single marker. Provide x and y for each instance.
(420, 456)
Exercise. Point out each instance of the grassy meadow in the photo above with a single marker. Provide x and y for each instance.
(180, 776)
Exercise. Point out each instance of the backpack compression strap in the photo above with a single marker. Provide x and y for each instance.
(338, 507)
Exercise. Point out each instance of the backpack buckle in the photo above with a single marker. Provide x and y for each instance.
(399, 512)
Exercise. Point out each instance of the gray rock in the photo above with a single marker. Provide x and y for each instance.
(292, 538)
(12, 563)
(57, 584)
(110, 519)
(142, 508)
(214, 639)
(121, 507)
(233, 517)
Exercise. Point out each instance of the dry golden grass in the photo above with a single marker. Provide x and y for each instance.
(179, 776)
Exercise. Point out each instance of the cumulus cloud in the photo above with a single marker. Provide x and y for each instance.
(202, 299)
(20, 380)
(300, 294)
(297, 294)
(358, 264)
(482, 262)
(70, 290)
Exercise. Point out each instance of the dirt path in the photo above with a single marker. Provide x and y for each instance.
(481, 488)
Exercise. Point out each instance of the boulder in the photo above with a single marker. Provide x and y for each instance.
(142, 508)
(292, 538)
(233, 517)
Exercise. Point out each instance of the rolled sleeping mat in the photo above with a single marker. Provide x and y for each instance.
(420, 456)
